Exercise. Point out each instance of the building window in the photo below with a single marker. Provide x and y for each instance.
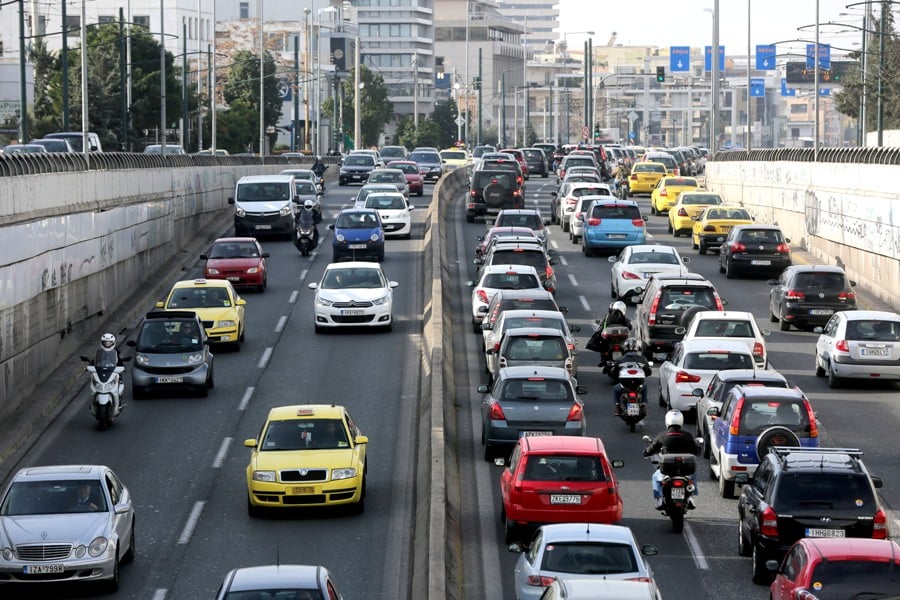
(142, 20)
(798, 109)
(795, 133)
(245, 10)
(73, 25)
(106, 19)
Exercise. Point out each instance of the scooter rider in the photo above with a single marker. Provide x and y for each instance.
(631, 353)
(673, 440)
(310, 217)
(319, 167)
(620, 174)
(107, 354)
(615, 316)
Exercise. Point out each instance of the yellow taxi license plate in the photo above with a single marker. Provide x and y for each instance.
(303, 489)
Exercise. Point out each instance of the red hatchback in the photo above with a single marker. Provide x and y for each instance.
(836, 569)
(414, 178)
(557, 479)
(240, 260)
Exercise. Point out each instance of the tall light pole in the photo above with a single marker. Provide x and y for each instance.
(162, 76)
(466, 80)
(749, 120)
(84, 83)
(357, 91)
(816, 85)
(262, 82)
(213, 88)
(714, 74)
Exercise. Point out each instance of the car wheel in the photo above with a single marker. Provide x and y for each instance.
(565, 225)
(670, 229)
(476, 326)
(726, 486)
(210, 381)
(203, 390)
(488, 451)
(360, 507)
(509, 531)
(706, 442)
(420, 194)
(761, 574)
(701, 247)
(729, 270)
(833, 380)
(652, 207)
(389, 327)
(784, 325)
(743, 544)
(470, 218)
(662, 401)
(820, 371)
(612, 291)
(721, 267)
(112, 585)
(129, 554)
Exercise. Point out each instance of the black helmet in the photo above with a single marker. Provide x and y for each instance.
(631, 345)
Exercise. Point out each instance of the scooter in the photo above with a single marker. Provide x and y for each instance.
(306, 238)
(630, 393)
(613, 336)
(107, 386)
(675, 470)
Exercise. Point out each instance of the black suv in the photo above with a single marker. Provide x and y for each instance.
(536, 161)
(492, 191)
(807, 295)
(806, 492)
(754, 250)
(661, 306)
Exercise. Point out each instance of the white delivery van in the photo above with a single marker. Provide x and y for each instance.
(264, 204)
(75, 138)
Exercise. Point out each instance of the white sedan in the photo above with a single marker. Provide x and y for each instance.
(693, 364)
(635, 264)
(394, 211)
(733, 325)
(353, 294)
(499, 277)
(859, 344)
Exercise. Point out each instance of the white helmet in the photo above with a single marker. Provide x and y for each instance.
(308, 205)
(617, 305)
(674, 417)
(107, 340)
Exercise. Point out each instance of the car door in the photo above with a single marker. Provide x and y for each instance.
(507, 474)
(667, 372)
(776, 294)
(825, 342)
(121, 521)
(789, 573)
(752, 501)
(718, 436)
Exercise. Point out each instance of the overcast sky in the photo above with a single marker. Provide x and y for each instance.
(667, 23)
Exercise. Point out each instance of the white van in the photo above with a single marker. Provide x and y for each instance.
(264, 204)
(75, 138)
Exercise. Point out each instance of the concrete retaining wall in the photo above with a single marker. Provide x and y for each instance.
(845, 214)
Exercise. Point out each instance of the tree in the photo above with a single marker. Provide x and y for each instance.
(237, 129)
(444, 117)
(375, 108)
(428, 134)
(241, 89)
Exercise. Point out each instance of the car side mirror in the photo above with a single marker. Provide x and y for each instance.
(645, 217)
(680, 331)
(518, 548)
(331, 226)
(686, 259)
(204, 257)
(695, 218)
(250, 443)
(581, 390)
(575, 328)
(818, 329)
(612, 258)
(131, 343)
(553, 261)
(231, 200)
(878, 482)
(648, 550)
(765, 332)
(772, 281)
(477, 261)
(563, 309)
(852, 283)
(698, 392)
(617, 463)
(713, 411)
(548, 222)
(787, 240)
(265, 255)
(482, 389)
(553, 194)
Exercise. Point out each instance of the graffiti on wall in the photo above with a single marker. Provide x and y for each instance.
(861, 222)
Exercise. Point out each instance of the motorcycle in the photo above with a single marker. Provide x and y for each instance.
(629, 395)
(320, 175)
(622, 189)
(612, 337)
(107, 386)
(677, 485)
(306, 234)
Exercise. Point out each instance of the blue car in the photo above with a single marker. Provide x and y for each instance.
(611, 224)
(358, 234)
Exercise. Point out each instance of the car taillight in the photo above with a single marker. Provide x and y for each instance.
(642, 579)
(519, 180)
(682, 212)
(562, 172)
(738, 247)
(637, 222)
(482, 297)
(783, 248)
(539, 580)
(593, 221)
(769, 525)
(496, 346)
(496, 412)
(719, 305)
(578, 215)
(634, 176)
(847, 296)
(794, 295)
(880, 528)
(842, 346)
(548, 272)
(685, 377)
(709, 227)
(677, 483)
(651, 319)
(630, 275)
(575, 413)
(571, 201)
(664, 192)
(474, 193)
(813, 427)
(735, 419)
(758, 349)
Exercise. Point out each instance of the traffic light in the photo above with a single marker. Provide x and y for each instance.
(660, 74)
(596, 131)
(476, 83)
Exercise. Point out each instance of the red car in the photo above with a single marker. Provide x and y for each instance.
(838, 568)
(520, 158)
(240, 260)
(414, 178)
(557, 479)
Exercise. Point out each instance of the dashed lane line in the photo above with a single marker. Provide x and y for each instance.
(245, 400)
(222, 453)
(191, 523)
(584, 303)
(264, 359)
(694, 547)
(572, 280)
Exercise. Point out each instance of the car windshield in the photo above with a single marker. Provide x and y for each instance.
(536, 389)
(274, 593)
(386, 202)
(536, 348)
(535, 259)
(387, 178)
(534, 154)
(761, 236)
(881, 331)
(758, 415)
(803, 490)
(234, 250)
(169, 337)
(304, 434)
(589, 558)
(680, 182)
(650, 168)
(717, 361)
(344, 278)
(679, 298)
(356, 220)
(616, 211)
(510, 281)
(516, 322)
(393, 152)
(862, 579)
(359, 160)
(529, 220)
(653, 258)
(584, 161)
(822, 281)
(305, 188)
(561, 467)
(483, 179)
(589, 191)
(425, 157)
(453, 155)
(53, 497)
(406, 168)
(529, 303)
(199, 297)
(741, 328)
(263, 192)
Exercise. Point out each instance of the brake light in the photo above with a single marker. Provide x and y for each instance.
(634, 177)
(474, 193)
(682, 212)
(736, 418)
(571, 201)
(709, 228)
(549, 273)
(575, 413)
(663, 193)
(482, 297)
(794, 295)
(769, 525)
(678, 483)
(539, 580)
(632, 394)
(842, 346)
(637, 222)
(880, 528)
(783, 248)
(630, 275)
(651, 319)
(847, 296)
(496, 412)
(738, 247)
(562, 172)
(719, 305)
(813, 427)
(758, 349)
(685, 377)
(593, 221)
(496, 346)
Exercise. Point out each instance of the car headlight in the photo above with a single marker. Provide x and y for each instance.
(323, 301)
(253, 270)
(375, 237)
(98, 546)
(80, 551)
(268, 476)
(7, 553)
(380, 301)
(342, 473)
(339, 237)
(225, 323)
(286, 210)
(212, 271)
(141, 359)
(240, 212)
(195, 358)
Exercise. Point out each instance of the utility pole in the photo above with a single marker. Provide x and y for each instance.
(501, 136)
(65, 69)
(123, 107)
(480, 84)
(84, 85)
(415, 65)
(295, 129)
(162, 77)
(23, 99)
(306, 70)
(184, 102)
(262, 83)
(212, 86)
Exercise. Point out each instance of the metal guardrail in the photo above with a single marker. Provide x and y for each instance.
(861, 155)
(13, 165)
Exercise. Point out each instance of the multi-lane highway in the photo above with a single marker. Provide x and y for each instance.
(183, 458)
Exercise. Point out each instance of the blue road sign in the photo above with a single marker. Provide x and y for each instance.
(757, 87)
(679, 58)
(707, 58)
(824, 56)
(785, 90)
(824, 91)
(765, 57)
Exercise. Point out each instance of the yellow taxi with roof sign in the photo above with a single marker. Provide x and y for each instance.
(216, 303)
(308, 455)
(663, 196)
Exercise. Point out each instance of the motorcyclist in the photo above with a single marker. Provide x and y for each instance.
(615, 316)
(319, 167)
(310, 217)
(673, 440)
(620, 174)
(107, 354)
(631, 353)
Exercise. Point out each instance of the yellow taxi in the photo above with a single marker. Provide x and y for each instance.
(307, 455)
(644, 177)
(663, 196)
(713, 224)
(687, 206)
(216, 303)
(453, 158)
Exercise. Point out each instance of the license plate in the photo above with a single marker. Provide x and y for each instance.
(234, 279)
(356, 176)
(677, 493)
(821, 311)
(617, 236)
(761, 263)
(633, 410)
(357, 246)
(349, 312)
(725, 228)
(721, 238)
(565, 499)
(169, 379)
(660, 356)
(42, 569)
(305, 489)
(824, 533)
(875, 351)
(535, 433)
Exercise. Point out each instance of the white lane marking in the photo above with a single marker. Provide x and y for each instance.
(694, 547)
(248, 393)
(296, 293)
(192, 520)
(160, 594)
(584, 303)
(562, 259)
(572, 280)
(222, 453)
(554, 244)
(267, 354)
(281, 322)
(305, 272)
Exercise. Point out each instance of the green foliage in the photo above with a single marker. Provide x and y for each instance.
(444, 117)
(375, 108)
(237, 129)
(428, 134)
(489, 136)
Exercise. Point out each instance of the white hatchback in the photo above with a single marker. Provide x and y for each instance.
(693, 364)
(859, 344)
(732, 325)
(394, 210)
(353, 294)
(635, 264)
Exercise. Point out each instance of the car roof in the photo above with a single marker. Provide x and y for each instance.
(561, 443)
(527, 312)
(529, 331)
(235, 239)
(866, 315)
(774, 393)
(683, 277)
(351, 264)
(519, 211)
(652, 248)
(815, 269)
(386, 170)
(576, 532)
(852, 548)
(706, 345)
(358, 210)
(766, 226)
(266, 178)
(171, 315)
(52, 472)
(504, 268)
(519, 294)
(608, 201)
(601, 589)
(533, 371)
(191, 283)
(317, 411)
(525, 244)
(751, 374)
(724, 314)
(271, 576)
